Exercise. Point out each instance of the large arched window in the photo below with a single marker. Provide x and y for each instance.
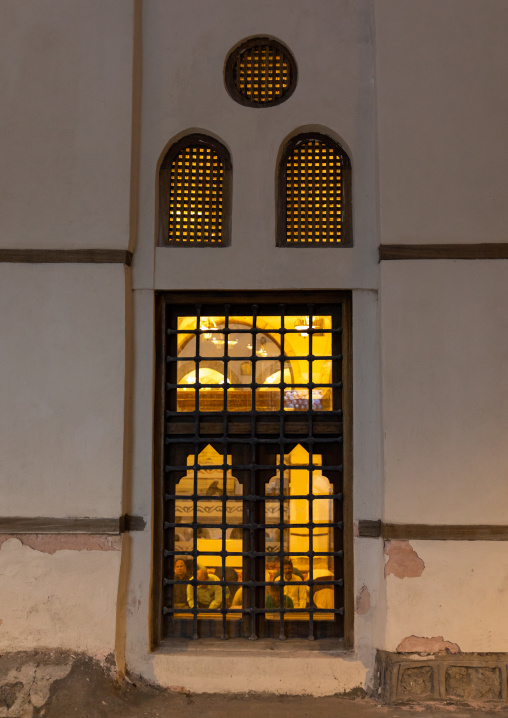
(314, 193)
(195, 193)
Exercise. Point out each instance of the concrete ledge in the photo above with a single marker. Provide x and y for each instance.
(457, 677)
(265, 666)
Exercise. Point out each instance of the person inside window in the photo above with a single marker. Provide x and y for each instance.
(323, 596)
(298, 594)
(180, 589)
(208, 596)
(273, 599)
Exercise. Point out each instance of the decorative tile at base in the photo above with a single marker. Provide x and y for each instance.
(462, 677)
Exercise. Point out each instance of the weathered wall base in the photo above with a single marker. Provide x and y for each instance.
(59, 592)
(461, 677)
(269, 666)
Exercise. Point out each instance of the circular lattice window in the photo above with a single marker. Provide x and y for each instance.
(260, 73)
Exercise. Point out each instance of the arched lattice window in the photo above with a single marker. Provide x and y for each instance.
(195, 193)
(314, 193)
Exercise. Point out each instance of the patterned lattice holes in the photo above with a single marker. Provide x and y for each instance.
(314, 194)
(196, 197)
(262, 74)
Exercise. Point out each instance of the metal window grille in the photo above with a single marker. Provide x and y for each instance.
(196, 196)
(260, 73)
(314, 190)
(253, 470)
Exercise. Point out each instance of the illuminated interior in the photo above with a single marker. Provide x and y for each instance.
(253, 531)
(277, 382)
(314, 194)
(262, 74)
(196, 202)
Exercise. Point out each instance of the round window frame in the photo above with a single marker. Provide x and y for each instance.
(230, 64)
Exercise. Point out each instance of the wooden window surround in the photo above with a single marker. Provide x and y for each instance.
(253, 466)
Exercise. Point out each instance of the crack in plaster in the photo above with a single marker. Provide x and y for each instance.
(403, 561)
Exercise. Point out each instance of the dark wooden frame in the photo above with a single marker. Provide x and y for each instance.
(229, 71)
(194, 139)
(494, 250)
(163, 299)
(347, 214)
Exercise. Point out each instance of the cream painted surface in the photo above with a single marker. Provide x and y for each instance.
(367, 485)
(185, 47)
(443, 156)
(293, 672)
(65, 600)
(62, 390)
(444, 329)
(461, 595)
(370, 626)
(65, 128)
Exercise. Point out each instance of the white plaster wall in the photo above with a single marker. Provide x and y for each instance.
(62, 600)
(444, 330)
(65, 123)
(184, 49)
(62, 334)
(461, 595)
(442, 108)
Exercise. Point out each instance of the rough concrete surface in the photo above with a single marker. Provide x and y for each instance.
(62, 685)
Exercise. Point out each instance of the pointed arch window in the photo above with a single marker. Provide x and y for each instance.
(195, 193)
(314, 193)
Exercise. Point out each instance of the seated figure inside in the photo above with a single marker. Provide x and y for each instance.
(208, 596)
(297, 594)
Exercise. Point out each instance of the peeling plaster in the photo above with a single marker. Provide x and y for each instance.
(403, 561)
(363, 601)
(420, 644)
(25, 682)
(50, 543)
(356, 531)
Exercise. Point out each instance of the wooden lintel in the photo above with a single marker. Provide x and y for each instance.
(432, 532)
(445, 532)
(66, 256)
(50, 525)
(369, 529)
(493, 250)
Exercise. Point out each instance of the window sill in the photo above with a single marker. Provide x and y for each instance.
(292, 647)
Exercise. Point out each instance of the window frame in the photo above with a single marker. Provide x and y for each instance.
(165, 190)
(164, 300)
(281, 202)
